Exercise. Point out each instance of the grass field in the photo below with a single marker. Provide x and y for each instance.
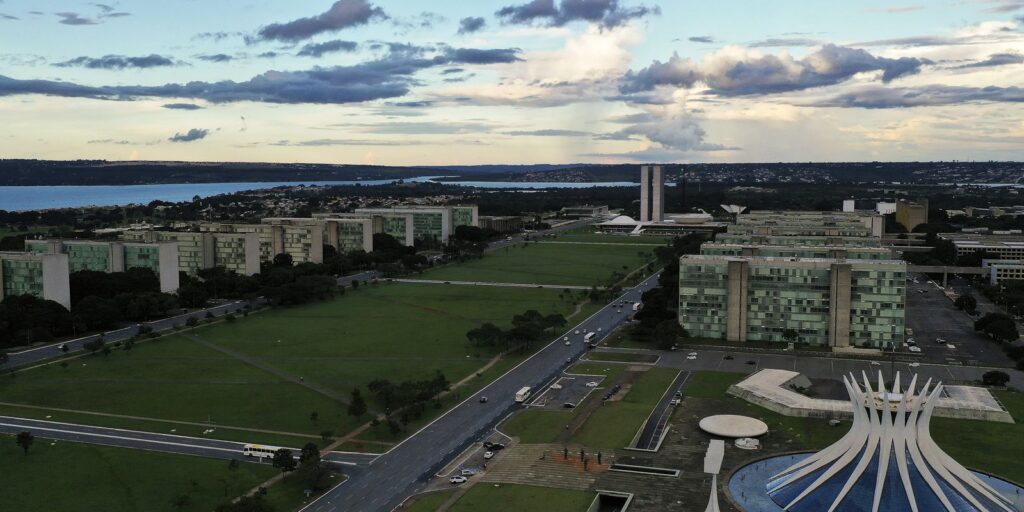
(428, 502)
(614, 424)
(392, 331)
(548, 263)
(590, 235)
(518, 498)
(72, 477)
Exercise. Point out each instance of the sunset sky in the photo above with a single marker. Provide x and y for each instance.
(547, 81)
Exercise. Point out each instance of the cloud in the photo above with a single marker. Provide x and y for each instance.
(267, 55)
(679, 133)
(217, 57)
(7, 17)
(191, 135)
(418, 128)
(784, 42)
(607, 13)
(345, 142)
(118, 62)
(109, 141)
(735, 71)
(897, 9)
(73, 18)
(319, 49)
(450, 71)
(700, 39)
(387, 77)
(216, 36)
(924, 96)
(547, 133)
(996, 59)
(471, 24)
(181, 106)
(343, 14)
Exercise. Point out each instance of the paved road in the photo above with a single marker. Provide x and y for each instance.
(405, 469)
(167, 443)
(656, 423)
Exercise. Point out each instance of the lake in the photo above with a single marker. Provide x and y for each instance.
(66, 196)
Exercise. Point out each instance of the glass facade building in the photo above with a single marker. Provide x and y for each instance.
(43, 275)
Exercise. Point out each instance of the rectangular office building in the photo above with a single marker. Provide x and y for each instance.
(1005, 247)
(343, 234)
(43, 275)
(238, 252)
(115, 256)
(826, 301)
(409, 224)
(792, 240)
(797, 251)
(303, 242)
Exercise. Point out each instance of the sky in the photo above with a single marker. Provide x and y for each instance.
(512, 81)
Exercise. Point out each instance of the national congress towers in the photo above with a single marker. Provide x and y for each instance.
(652, 193)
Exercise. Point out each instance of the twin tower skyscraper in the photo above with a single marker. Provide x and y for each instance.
(652, 193)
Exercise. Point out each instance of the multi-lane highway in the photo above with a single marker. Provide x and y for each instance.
(403, 470)
(151, 441)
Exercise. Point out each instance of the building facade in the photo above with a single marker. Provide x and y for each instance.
(1005, 247)
(237, 252)
(828, 302)
(797, 251)
(791, 240)
(409, 224)
(42, 275)
(652, 193)
(115, 256)
(509, 224)
(585, 211)
(911, 214)
(303, 242)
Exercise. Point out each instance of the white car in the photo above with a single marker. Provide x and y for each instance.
(568, 343)
(598, 329)
(915, 365)
(875, 363)
(591, 384)
(457, 479)
(577, 331)
(566, 338)
(691, 358)
(488, 455)
(676, 401)
(692, 354)
(914, 349)
(556, 386)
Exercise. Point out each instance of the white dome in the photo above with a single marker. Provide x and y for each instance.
(622, 219)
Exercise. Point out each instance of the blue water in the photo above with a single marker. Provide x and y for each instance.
(66, 196)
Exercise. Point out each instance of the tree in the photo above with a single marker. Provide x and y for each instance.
(283, 260)
(94, 345)
(24, 440)
(998, 326)
(96, 313)
(357, 407)
(284, 460)
(791, 335)
(995, 378)
(966, 302)
(667, 333)
(192, 296)
(555, 320)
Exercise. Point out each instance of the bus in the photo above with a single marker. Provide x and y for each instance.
(589, 337)
(637, 306)
(259, 451)
(523, 394)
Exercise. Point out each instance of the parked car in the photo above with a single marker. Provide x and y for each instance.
(751, 361)
(915, 365)
(467, 472)
(496, 447)
(691, 358)
(457, 479)
(483, 399)
(728, 357)
(488, 455)
(914, 349)
(591, 384)
(875, 363)
(569, 405)
(692, 354)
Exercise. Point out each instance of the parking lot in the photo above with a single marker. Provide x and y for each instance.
(931, 315)
(567, 389)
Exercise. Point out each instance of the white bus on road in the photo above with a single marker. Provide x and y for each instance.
(589, 337)
(259, 451)
(523, 394)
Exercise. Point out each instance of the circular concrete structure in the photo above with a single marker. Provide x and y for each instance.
(729, 425)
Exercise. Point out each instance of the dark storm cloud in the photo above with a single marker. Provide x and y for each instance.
(471, 24)
(73, 18)
(318, 49)
(451, 71)
(217, 57)
(118, 62)
(181, 106)
(701, 39)
(996, 59)
(607, 13)
(343, 14)
(924, 96)
(388, 77)
(766, 74)
(189, 136)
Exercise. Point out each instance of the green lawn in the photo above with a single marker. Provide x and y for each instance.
(518, 498)
(614, 424)
(590, 234)
(547, 263)
(72, 477)
(175, 378)
(428, 502)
